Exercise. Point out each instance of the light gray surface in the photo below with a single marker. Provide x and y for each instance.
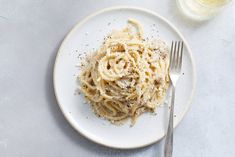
(31, 123)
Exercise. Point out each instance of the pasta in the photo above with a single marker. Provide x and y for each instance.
(127, 75)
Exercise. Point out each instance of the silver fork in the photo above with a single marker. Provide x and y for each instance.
(176, 55)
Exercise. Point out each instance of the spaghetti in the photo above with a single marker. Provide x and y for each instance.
(127, 75)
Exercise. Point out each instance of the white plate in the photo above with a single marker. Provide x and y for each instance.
(89, 34)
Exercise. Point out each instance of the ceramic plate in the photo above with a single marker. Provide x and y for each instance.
(87, 36)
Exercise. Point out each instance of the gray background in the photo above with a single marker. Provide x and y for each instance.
(31, 123)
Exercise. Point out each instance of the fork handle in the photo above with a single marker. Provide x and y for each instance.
(169, 136)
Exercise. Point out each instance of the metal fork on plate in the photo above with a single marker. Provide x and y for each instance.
(176, 55)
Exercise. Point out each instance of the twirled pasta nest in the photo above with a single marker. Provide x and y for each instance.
(127, 75)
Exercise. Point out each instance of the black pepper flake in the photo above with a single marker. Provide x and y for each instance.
(109, 23)
(183, 73)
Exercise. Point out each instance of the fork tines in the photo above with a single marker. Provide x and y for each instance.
(176, 55)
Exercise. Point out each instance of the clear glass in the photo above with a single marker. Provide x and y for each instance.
(201, 9)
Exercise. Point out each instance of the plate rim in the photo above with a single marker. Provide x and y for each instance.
(107, 9)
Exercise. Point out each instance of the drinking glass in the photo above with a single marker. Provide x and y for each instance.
(201, 9)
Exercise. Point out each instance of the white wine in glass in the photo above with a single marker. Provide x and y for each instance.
(201, 9)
